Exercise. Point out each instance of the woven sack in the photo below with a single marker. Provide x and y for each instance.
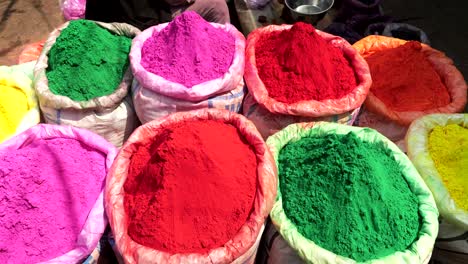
(343, 109)
(14, 78)
(111, 116)
(418, 252)
(96, 221)
(417, 144)
(451, 77)
(242, 247)
(150, 105)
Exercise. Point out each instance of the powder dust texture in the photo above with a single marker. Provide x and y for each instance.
(87, 61)
(299, 65)
(192, 189)
(189, 51)
(47, 190)
(348, 196)
(448, 146)
(13, 107)
(405, 80)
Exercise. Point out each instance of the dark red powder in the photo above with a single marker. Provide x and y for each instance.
(405, 80)
(192, 189)
(298, 64)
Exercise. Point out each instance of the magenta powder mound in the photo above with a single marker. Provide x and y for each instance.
(47, 189)
(188, 51)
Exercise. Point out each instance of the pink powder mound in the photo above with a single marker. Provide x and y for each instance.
(47, 190)
(189, 51)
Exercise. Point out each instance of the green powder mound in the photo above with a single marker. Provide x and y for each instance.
(348, 196)
(87, 61)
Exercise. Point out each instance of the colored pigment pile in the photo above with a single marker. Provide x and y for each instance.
(87, 61)
(448, 146)
(298, 65)
(13, 107)
(45, 201)
(405, 80)
(189, 51)
(192, 189)
(348, 196)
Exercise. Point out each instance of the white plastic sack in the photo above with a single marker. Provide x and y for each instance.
(150, 105)
(111, 116)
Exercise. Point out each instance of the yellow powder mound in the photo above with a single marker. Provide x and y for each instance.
(13, 107)
(448, 146)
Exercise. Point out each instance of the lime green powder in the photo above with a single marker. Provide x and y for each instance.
(348, 196)
(87, 61)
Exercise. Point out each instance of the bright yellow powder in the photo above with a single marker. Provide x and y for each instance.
(13, 107)
(448, 146)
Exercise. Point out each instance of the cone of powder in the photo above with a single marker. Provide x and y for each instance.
(53, 179)
(217, 166)
(296, 73)
(410, 79)
(329, 170)
(189, 58)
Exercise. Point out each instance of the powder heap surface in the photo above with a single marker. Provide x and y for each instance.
(348, 196)
(13, 107)
(47, 190)
(189, 51)
(192, 189)
(299, 65)
(405, 80)
(87, 61)
(448, 147)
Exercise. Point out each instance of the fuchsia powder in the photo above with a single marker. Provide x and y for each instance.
(188, 51)
(47, 189)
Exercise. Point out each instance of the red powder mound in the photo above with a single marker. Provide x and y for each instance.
(192, 189)
(405, 80)
(298, 64)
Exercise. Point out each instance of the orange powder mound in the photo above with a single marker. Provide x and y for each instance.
(405, 80)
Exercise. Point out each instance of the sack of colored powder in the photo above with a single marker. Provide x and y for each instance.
(189, 59)
(437, 146)
(150, 105)
(332, 91)
(229, 148)
(18, 103)
(410, 80)
(53, 179)
(327, 171)
(31, 52)
(89, 86)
